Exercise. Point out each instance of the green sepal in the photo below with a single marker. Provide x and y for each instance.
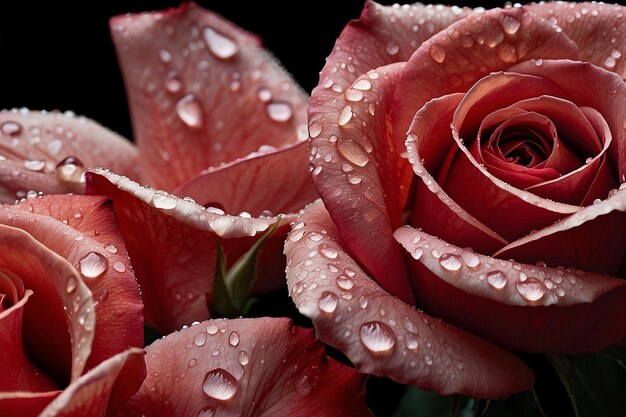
(222, 304)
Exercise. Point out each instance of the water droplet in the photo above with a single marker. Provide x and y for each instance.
(327, 251)
(496, 279)
(467, 41)
(392, 47)
(93, 265)
(354, 179)
(410, 341)
(200, 339)
(352, 94)
(327, 302)
(119, 266)
(507, 53)
(189, 110)
(165, 56)
(344, 282)
(377, 337)
(363, 85)
(207, 411)
(344, 116)
(428, 360)
(531, 289)
(352, 151)
(11, 128)
(264, 94)
(192, 362)
(111, 248)
(243, 358)
(219, 384)
(172, 82)
(510, 24)
(471, 259)
(233, 339)
(211, 329)
(220, 45)
(163, 200)
(610, 62)
(279, 111)
(35, 164)
(303, 385)
(70, 169)
(437, 53)
(71, 284)
(450, 261)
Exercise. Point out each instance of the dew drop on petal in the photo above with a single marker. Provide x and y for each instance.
(219, 384)
(377, 337)
(410, 341)
(344, 116)
(243, 358)
(450, 262)
(163, 200)
(11, 128)
(93, 264)
(207, 411)
(200, 339)
(392, 47)
(233, 339)
(510, 24)
(220, 45)
(279, 111)
(496, 279)
(303, 385)
(189, 110)
(35, 164)
(71, 284)
(531, 289)
(352, 151)
(437, 53)
(471, 259)
(344, 282)
(328, 251)
(327, 302)
(119, 266)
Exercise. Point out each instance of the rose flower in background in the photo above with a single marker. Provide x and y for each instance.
(499, 138)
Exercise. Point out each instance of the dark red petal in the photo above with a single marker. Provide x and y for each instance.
(456, 58)
(429, 137)
(277, 181)
(84, 230)
(354, 162)
(172, 243)
(201, 92)
(101, 391)
(380, 334)
(60, 300)
(525, 307)
(592, 239)
(245, 367)
(25, 404)
(597, 28)
(32, 144)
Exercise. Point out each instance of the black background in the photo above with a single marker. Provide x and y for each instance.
(59, 55)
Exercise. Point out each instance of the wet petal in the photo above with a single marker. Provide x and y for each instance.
(597, 28)
(172, 243)
(245, 367)
(35, 146)
(84, 230)
(380, 334)
(276, 181)
(101, 390)
(25, 404)
(525, 307)
(353, 161)
(201, 91)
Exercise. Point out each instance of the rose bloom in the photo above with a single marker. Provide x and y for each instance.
(498, 139)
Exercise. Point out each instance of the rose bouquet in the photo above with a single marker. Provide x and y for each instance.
(447, 210)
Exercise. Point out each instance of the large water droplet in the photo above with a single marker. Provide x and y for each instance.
(243, 358)
(450, 261)
(35, 164)
(207, 411)
(510, 24)
(163, 200)
(352, 151)
(377, 337)
(70, 169)
(327, 302)
(344, 282)
(233, 339)
(328, 251)
(219, 384)
(200, 339)
(344, 116)
(220, 45)
(189, 110)
(71, 284)
(303, 385)
(362, 85)
(392, 47)
(212, 329)
(496, 279)
(471, 259)
(279, 111)
(437, 53)
(93, 265)
(352, 94)
(11, 128)
(531, 289)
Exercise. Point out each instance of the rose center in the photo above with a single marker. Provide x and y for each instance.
(11, 289)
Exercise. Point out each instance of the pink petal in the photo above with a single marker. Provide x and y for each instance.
(84, 231)
(380, 334)
(32, 144)
(354, 162)
(245, 367)
(525, 307)
(277, 181)
(490, 41)
(172, 243)
(591, 239)
(597, 28)
(211, 94)
(101, 391)
(429, 137)
(59, 299)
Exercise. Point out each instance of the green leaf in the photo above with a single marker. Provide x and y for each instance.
(222, 304)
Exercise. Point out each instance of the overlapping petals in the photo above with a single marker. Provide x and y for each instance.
(262, 367)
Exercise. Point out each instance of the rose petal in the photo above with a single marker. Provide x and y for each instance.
(591, 239)
(525, 307)
(100, 391)
(456, 58)
(25, 404)
(245, 367)
(353, 161)
(60, 300)
(597, 28)
(84, 230)
(380, 334)
(32, 144)
(433, 210)
(172, 243)
(210, 94)
(275, 181)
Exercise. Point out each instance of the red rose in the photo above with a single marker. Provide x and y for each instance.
(515, 217)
